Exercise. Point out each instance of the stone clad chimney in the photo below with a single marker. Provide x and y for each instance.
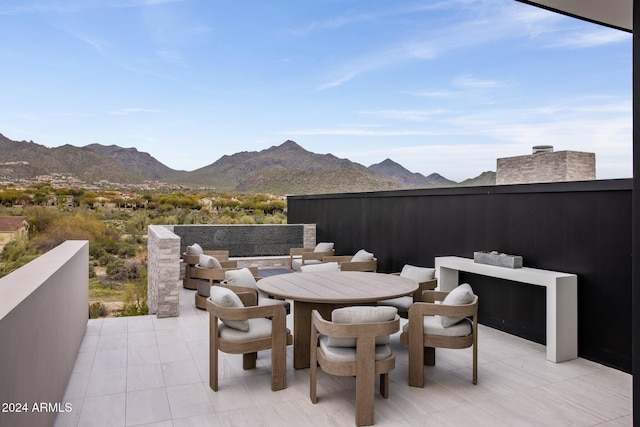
(545, 165)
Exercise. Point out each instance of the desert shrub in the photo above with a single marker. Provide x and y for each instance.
(114, 266)
(106, 259)
(246, 219)
(121, 271)
(15, 254)
(126, 251)
(41, 218)
(97, 309)
(135, 296)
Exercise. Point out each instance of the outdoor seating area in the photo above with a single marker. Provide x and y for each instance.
(148, 370)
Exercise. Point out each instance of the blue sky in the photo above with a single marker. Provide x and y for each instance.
(444, 86)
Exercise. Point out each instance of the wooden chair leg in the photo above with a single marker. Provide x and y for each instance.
(249, 360)
(384, 385)
(365, 397)
(475, 363)
(313, 392)
(213, 353)
(279, 364)
(416, 365)
(365, 381)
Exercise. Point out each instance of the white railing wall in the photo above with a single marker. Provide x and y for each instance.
(44, 309)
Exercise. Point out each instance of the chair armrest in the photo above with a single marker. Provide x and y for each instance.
(337, 258)
(306, 256)
(354, 330)
(359, 265)
(299, 251)
(229, 264)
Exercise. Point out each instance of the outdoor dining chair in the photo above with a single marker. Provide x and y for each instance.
(451, 324)
(355, 344)
(241, 327)
(426, 281)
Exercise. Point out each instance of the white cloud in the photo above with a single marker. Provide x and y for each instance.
(130, 110)
(596, 37)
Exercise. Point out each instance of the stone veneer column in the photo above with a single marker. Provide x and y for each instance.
(163, 249)
(309, 237)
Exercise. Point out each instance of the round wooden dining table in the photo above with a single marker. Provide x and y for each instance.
(325, 291)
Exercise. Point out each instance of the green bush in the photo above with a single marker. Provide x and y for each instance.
(114, 266)
(97, 309)
(135, 296)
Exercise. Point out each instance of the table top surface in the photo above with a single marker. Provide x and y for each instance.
(337, 286)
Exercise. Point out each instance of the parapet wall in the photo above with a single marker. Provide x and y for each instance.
(44, 309)
(260, 240)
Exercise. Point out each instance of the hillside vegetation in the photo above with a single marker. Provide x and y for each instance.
(118, 236)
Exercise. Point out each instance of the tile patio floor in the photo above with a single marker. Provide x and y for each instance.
(144, 371)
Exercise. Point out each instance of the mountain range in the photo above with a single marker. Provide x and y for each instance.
(284, 169)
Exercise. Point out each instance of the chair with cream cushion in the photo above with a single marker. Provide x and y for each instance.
(191, 257)
(244, 279)
(450, 324)
(426, 281)
(209, 272)
(355, 343)
(303, 256)
(360, 261)
(238, 326)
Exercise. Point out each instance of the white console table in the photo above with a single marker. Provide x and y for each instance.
(562, 298)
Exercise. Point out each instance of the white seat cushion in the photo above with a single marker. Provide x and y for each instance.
(323, 266)
(258, 328)
(432, 325)
(401, 303)
(348, 354)
(273, 301)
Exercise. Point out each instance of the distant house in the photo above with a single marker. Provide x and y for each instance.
(12, 228)
(207, 203)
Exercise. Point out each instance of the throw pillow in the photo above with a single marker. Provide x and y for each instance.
(227, 298)
(362, 256)
(323, 247)
(240, 277)
(208, 261)
(419, 274)
(194, 249)
(360, 314)
(461, 295)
